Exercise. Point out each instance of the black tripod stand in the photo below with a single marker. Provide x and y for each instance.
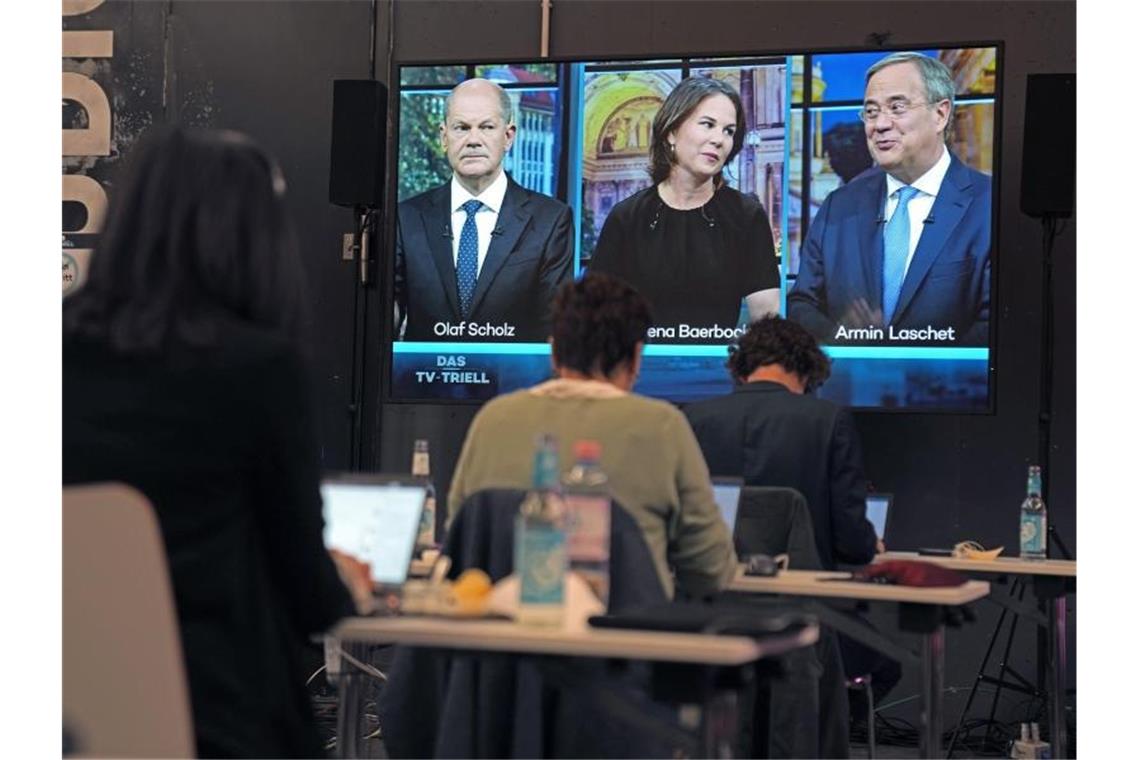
(1049, 591)
(1019, 683)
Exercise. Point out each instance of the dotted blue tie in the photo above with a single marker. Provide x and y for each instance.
(467, 263)
(896, 245)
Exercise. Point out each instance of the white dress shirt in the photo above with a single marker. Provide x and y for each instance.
(485, 218)
(920, 205)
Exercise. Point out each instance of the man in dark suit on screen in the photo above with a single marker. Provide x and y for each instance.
(480, 257)
(870, 275)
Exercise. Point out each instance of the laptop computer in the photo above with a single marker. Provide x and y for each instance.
(375, 518)
(879, 513)
(726, 491)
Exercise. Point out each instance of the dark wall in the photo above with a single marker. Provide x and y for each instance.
(265, 68)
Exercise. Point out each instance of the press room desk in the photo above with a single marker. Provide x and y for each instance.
(507, 636)
(920, 611)
(1051, 580)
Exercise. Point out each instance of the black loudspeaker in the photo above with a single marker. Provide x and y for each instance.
(1049, 161)
(356, 160)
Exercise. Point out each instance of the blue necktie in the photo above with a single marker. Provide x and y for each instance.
(896, 245)
(467, 262)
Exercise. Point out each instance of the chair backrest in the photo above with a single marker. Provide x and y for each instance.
(776, 521)
(483, 532)
(124, 680)
(457, 704)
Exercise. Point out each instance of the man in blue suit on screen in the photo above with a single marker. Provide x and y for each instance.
(479, 258)
(901, 254)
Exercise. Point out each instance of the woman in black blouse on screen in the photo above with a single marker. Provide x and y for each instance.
(693, 246)
(183, 377)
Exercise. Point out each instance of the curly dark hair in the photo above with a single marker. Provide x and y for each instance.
(596, 324)
(775, 340)
(682, 101)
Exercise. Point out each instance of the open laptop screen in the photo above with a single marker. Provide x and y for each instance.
(376, 519)
(878, 507)
(726, 491)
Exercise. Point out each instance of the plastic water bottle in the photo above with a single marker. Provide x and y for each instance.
(1034, 524)
(421, 468)
(540, 541)
(588, 508)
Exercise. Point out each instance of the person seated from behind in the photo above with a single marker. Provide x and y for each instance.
(656, 472)
(184, 376)
(772, 432)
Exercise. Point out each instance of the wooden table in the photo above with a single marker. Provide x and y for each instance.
(582, 641)
(921, 612)
(1051, 580)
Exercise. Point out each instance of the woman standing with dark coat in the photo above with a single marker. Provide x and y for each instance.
(183, 377)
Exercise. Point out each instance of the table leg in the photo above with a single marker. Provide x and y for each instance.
(350, 695)
(719, 729)
(933, 660)
(1057, 668)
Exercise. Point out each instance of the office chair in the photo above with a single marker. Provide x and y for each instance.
(438, 704)
(812, 711)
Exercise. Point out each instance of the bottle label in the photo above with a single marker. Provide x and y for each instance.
(1032, 533)
(541, 564)
(421, 463)
(426, 535)
(588, 528)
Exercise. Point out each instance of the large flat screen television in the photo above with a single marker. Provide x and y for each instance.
(467, 331)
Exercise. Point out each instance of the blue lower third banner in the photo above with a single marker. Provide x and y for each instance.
(950, 379)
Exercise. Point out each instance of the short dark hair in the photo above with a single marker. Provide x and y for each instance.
(681, 102)
(597, 323)
(196, 237)
(775, 340)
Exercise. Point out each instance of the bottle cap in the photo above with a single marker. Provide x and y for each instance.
(586, 449)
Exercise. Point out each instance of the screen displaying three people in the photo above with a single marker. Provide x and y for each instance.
(850, 192)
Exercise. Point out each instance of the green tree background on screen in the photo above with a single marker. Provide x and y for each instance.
(422, 162)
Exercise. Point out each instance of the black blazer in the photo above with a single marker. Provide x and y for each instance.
(223, 443)
(772, 437)
(531, 254)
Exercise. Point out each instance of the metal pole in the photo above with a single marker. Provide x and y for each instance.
(1058, 663)
(350, 685)
(544, 48)
(933, 656)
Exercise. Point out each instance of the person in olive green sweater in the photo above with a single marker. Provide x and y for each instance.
(655, 467)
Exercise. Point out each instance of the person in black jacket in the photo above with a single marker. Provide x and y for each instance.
(183, 376)
(772, 432)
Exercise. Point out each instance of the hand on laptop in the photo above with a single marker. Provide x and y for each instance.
(357, 576)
